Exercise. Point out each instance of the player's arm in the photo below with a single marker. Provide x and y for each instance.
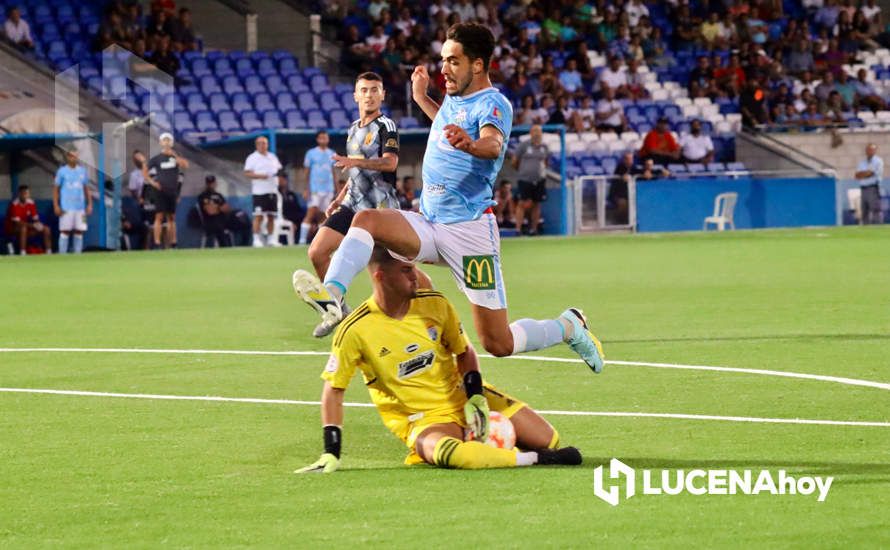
(420, 82)
(182, 162)
(89, 198)
(387, 163)
(487, 147)
(476, 409)
(332, 422)
(146, 175)
(335, 204)
(56, 208)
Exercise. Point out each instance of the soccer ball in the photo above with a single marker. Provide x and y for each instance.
(501, 433)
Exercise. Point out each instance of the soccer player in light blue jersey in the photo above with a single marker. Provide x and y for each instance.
(72, 202)
(456, 226)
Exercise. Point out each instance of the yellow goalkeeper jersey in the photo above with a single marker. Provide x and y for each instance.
(408, 364)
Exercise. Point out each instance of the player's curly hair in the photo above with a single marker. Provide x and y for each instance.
(476, 39)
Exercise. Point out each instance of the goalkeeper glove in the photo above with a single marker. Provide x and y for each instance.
(327, 464)
(329, 461)
(476, 408)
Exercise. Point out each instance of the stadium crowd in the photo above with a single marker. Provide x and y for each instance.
(779, 68)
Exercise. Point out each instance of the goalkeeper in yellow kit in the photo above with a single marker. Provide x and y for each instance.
(423, 376)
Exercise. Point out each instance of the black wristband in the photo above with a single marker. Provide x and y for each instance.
(473, 383)
(333, 437)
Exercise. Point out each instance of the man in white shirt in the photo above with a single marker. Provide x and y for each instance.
(377, 41)
(634, 10)
(261, 168)
(870, 172)
(17, 30)
(695, 146)
(610, 114)
(613, 77)
(466, 10)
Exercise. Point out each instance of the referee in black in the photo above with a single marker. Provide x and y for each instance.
(164, 173)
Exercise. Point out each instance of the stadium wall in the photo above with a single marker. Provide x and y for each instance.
(682, 205)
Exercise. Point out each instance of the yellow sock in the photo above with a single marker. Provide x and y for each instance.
(471, 455)
(554, 441)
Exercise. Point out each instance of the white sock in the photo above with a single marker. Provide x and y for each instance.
(304, 232)
(531, 334)
(526, 459)
(63, 243)
(78, 244)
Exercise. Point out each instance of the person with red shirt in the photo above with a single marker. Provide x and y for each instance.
(660, 145)
(23, 222)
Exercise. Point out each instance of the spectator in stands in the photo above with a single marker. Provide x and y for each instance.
(696, 147)
(157, 27)
(825, 87)
(292, 208)
(72, 202)
(137, 179)
(811, 116)
(870, 172)
(530, 162)
(700, 77)
(610, 113)
(570, 78)
(847, 90)
(23, 222)
(613, 78)
(827, 15)
(163, 57)
(866, 94)
(713, 33)
(261, 168)
(636, 84)
(685, 29)
(17, 30)
(651, 171)
(752, 103)
(506, 206)
(182, 32)
(214, 211)
(800, 59)
(834, 58)
(835, 108)
(528, 113)
(164, 172)
(587, 114)
(377, 41)
(405, 194)
(660, 145)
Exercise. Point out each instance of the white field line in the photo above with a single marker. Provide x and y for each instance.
(762, 372)
(748, 419)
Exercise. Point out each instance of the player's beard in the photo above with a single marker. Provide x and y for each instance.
(462, 86)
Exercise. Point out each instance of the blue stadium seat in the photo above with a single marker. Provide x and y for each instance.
(319, 83)
(213, 55)
(243, 67)
(259, 55)
(716, 167)
(609, 164)
(253, 84)
(736, 166)
(294, 119)
(695, 168)
(241, 102)
(65, 12)
(288, 66)
(278, 55)
(231, 85)
(328, 101)
(205, 122)
(208, 85)
(306, 101)
(223, 67)
(182, 121)
(200, 67)
(218, 102)
(263, 102)
(408, 122)
(237, 55)
(272, 119)
(275, 84)
(347, 99)
(266, 67)
(284, 101)
(195, 103)
(339, 118)
(297, 84)
(250, 121)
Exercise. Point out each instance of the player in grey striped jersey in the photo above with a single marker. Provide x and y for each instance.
(372, 156)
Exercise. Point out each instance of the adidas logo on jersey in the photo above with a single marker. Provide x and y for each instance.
(384, 352)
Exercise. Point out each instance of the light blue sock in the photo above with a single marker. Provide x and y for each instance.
(350, 259)
(63, 243)
(304, 232)
(78, 244)
(531, 334)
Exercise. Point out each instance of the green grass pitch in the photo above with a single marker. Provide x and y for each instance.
(80, 471)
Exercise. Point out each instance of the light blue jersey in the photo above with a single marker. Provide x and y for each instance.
(71, 183)
(319, 163)
(457, 186)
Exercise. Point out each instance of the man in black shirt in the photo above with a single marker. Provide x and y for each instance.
(291, 207)
(214, 211)
(163, 58)
(164, 173)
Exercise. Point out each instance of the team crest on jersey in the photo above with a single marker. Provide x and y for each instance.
(333, 364)
(369, 139)
(391, 142)
(433, 332)
(497, 113)
(461, 116)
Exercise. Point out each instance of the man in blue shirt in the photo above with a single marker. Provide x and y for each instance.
(456, 226)
(72, 202)
(318, 165)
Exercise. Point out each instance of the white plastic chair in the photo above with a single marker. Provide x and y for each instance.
(283, 226)
(724, 207)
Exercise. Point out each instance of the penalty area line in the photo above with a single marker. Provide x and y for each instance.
(762, 372)
(674, 416)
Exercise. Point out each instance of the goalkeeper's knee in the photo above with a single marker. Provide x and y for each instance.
(451, 452)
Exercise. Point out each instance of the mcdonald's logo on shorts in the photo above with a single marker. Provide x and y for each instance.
(479, 272)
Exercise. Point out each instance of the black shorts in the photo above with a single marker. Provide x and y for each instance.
(265, 203)
(535, 191)
(340, 220)
(165, 203)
